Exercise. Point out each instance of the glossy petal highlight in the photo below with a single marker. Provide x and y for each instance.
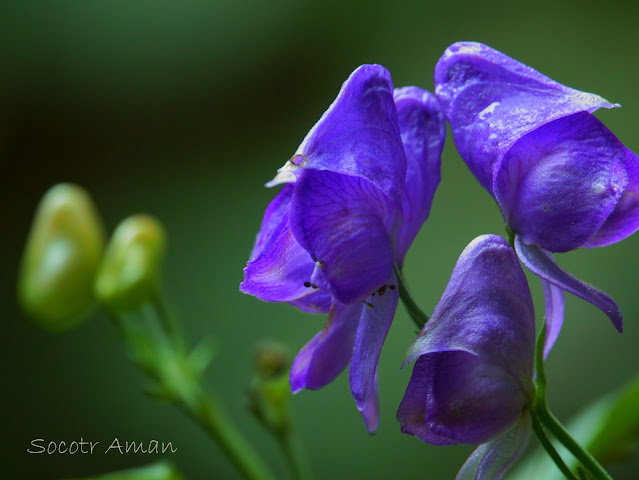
(557, 185)
(624, 220)
(492, 100)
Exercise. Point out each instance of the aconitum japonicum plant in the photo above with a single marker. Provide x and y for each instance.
(561, 179)
(356, 193)
(473, 379)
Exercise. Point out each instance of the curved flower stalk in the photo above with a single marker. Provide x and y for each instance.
(356, 193)
(473, 379)
(561, 179)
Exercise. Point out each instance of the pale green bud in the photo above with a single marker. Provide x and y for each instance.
(61, 258)
(129, 275)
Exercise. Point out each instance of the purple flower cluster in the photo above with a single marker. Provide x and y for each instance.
(561, 179)
(360, 186)
(356, 193)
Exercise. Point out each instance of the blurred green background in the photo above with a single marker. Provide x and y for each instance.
(183, 110)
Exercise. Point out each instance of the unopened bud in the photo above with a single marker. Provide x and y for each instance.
(61, 257)
(129, 275)
(271, 358)
(269, 392)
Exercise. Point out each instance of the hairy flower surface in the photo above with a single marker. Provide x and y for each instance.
(473, 378)
(561, 179)
(356, 193)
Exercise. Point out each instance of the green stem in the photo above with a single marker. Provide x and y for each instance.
(587, 460)
(178, 382)
(551, 422)
(416, 313)
(167, 320)
(295, 455)
(207, 411)
(548, 446)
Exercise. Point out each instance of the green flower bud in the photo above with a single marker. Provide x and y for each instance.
(129, 275)
(269, 392)
(61, 258)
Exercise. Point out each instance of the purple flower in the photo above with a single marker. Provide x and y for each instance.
(357, 191)
(473, 378)
(561, 179)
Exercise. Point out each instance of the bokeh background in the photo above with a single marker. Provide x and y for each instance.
(183, 110)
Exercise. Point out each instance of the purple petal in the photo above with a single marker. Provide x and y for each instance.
(374, 323)
(370, 413)
(624, 220)
(486, 310)
(543, 266)
(474, 374)
(492, 460)
(358, 135)
(339, 220)
(558, 184)
(412, 411)
(324, 357)
(423, 129)
(279, 266)
(276, 213)
(465, 399)
(492, 100)
(554, 298)
(316, 302)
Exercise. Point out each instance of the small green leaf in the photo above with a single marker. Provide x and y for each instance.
(608, 429)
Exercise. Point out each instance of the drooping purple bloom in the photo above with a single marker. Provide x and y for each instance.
(356, 193)
(561, 179)
(473, 378)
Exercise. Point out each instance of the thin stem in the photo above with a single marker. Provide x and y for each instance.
(416, 313)
(167, 320)
(548, 446)
(295, 455)
(587, 460)
(178, 382)
(551, 422)
(207, 411)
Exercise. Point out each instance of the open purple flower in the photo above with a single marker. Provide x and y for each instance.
(561, 179)
(473, 379)
(357, 191)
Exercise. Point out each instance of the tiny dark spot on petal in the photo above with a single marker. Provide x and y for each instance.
(307, 284)
(392, 287)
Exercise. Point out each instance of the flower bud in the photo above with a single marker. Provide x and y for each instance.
(129, 275)
(270, 392)
(61, 258)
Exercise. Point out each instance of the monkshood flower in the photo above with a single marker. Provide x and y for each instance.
(356, 193)
(473, 379)
(561, 179)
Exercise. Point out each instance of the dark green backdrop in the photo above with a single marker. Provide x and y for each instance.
(183, 110)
